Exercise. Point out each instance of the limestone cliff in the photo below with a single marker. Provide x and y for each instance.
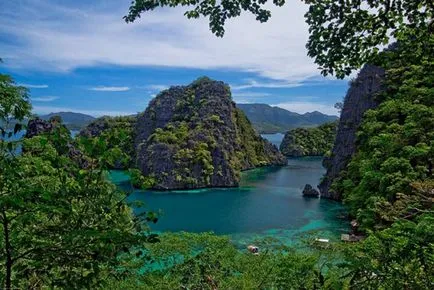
(360, 98)
(194, 136)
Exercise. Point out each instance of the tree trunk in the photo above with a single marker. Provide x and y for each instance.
(9, 262)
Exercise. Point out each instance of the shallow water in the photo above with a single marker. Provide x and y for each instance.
(268, 203)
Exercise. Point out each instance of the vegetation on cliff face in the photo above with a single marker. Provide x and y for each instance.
(194, 136)
(395, 147)
(360, 97)
(309, 141)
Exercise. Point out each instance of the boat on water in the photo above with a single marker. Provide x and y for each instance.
(253, 249)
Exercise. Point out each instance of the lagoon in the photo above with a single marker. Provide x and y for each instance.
(268, 204)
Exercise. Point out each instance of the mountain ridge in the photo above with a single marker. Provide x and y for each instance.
(272, 119)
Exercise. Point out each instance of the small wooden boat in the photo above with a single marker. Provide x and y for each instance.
(253, 249)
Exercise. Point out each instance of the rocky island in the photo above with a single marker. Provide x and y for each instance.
(194, 136)
(315, 141)
(191, 137)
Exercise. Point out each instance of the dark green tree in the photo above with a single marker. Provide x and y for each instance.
(14, 104)
(62, 223)
(395, 146)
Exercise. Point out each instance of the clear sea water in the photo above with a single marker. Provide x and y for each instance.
(268, 204)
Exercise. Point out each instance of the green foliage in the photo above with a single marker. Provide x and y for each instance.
(14, 105)
(395, 145)
(172, 134)
(62, 223)
(400, 257)
(207, 261)
(216, 119)
(119, 134)
(217, 12)
(344, 35)
(140, 181)
(251, 151)
(309, 141)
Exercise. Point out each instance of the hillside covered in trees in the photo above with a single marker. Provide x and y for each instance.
(316, 141)
(267, 119)
(189, 137)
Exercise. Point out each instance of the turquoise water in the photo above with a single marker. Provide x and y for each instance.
(268, 204)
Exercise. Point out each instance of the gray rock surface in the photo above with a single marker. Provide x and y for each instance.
(309, 191)
(194, 136)
(37, 127)
(360, 98)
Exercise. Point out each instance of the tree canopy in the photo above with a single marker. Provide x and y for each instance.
(62, 222)
(344, 35)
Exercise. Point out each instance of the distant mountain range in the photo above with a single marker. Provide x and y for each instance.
(268, 119)
(264, 118)
(73, 121)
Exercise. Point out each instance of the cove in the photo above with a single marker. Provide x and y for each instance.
(268, 204)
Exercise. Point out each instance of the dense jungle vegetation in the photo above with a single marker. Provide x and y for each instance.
(316, 141)
(64, 225)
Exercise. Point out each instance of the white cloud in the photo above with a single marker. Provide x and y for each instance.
(33, 86)
(154, 87)
(305, 107)
(49, 36)
(250, 94)
(109, 89)
(43, 110)
(44, 99)
(271, 85)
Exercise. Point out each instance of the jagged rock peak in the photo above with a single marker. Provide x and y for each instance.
(194, 136)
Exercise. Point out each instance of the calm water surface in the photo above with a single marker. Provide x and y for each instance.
(268, 203)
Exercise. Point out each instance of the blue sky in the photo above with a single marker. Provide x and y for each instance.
(80, 56)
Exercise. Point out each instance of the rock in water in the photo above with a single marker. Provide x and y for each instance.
(309, 191)
(194, 136)
(360, 98)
